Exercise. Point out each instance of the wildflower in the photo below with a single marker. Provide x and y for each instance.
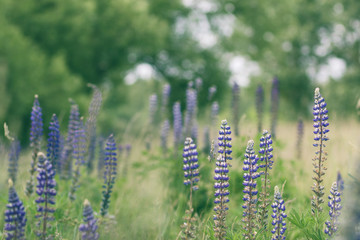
(278, 216)
(222, 180)
(250, 198)
(177, 124)
(165, 98)
(89, 227)
(274, 105)
(191, 103)
(15, 219)
(320, 137)
(109, 173)
(164, 134)
(335, 207)
(266, 156)
(36, 133)
(260, 106)
(46, 195)
(53, 141)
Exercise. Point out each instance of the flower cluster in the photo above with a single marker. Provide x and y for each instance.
(89, 227)
(191, 103)
(320, 124)
(279, 215)
(190, 160)
(15, 219)
(177, 124)
(250, 198)
(14, 159)
(46, 192)
(222, 179)
(260, 106)
(266, 163)
(53, 146)
(109, 173)
(334, 212)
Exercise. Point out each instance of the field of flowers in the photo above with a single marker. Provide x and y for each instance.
(184, 177)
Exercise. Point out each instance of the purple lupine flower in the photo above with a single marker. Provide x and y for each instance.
(320, 136)
(190, 160)
(36, 133)
(265, 165)
(101, 158)
(222, 180)
(109, 173)
(260, 106)
(191, 103)
(53, 142)
(153, 102)
(46, 192)
(14, 159)
(165, 97)
(212, 91)
(278, 216)
(79, 145)
(214, 112)
(334, 212)
(15, 216)
(89, 227)
(177, 124)
(235, 107)
(300, 136)
(250, 198)
(165, 128)
(340, 182)
(94, 109)
(274, 105)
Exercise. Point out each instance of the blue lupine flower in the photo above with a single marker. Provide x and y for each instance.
(265, 165)
(279, 215)
(260, 106)
(250, 198)
(334, 212)
(15, 219)
(165, 128)
(191, 104)
(235, 107)
(36, 133)
(190, 160)
(53, 142)
(222, 179)
(46, 192)
(109, 173)
(177, 124)
(274, 105)
(320, 136)
(300, 136)
(89, 228)
(14, 159)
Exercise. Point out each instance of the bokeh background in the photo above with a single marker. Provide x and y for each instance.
(129, 49)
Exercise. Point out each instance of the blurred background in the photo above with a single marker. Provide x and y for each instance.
(130, 49)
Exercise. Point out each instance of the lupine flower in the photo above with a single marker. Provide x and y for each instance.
(274, 105)
(14, 159)
(235, 107)
(214, 112)
(191, 103)
(46, 192)
(250, 198)
(79, 145)
(165, 128)
(165, 98)
(89, 227)
(94, 109)
(320, 136)
(153, 101)
(334, 212)
(279, 215)
(191, 174)
(109, 173)
(15, 216)
(222, 180)
(36, 133)
(265, 165)
(340, 182)
(100, 167)
(53, 142)
(212, 91)
(260, 106)
(300, 136)
(177, 124)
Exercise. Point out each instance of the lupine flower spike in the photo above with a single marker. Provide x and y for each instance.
(250, 198)
(260, 106)
(266, 164)
(89, 228)
(46, 192)
(320, 137)
(274, 105)
(165, 99)
(300, 136)
(235, 107)
(222, 180)
(191, 174)
(177, 124)
(15, 219)
(334, 212)
(53, 146)
(109, 173)
(191, 103)
(36, 133)
(278, 215)
(14, 159)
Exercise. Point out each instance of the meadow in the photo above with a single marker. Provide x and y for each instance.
(148, 199)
